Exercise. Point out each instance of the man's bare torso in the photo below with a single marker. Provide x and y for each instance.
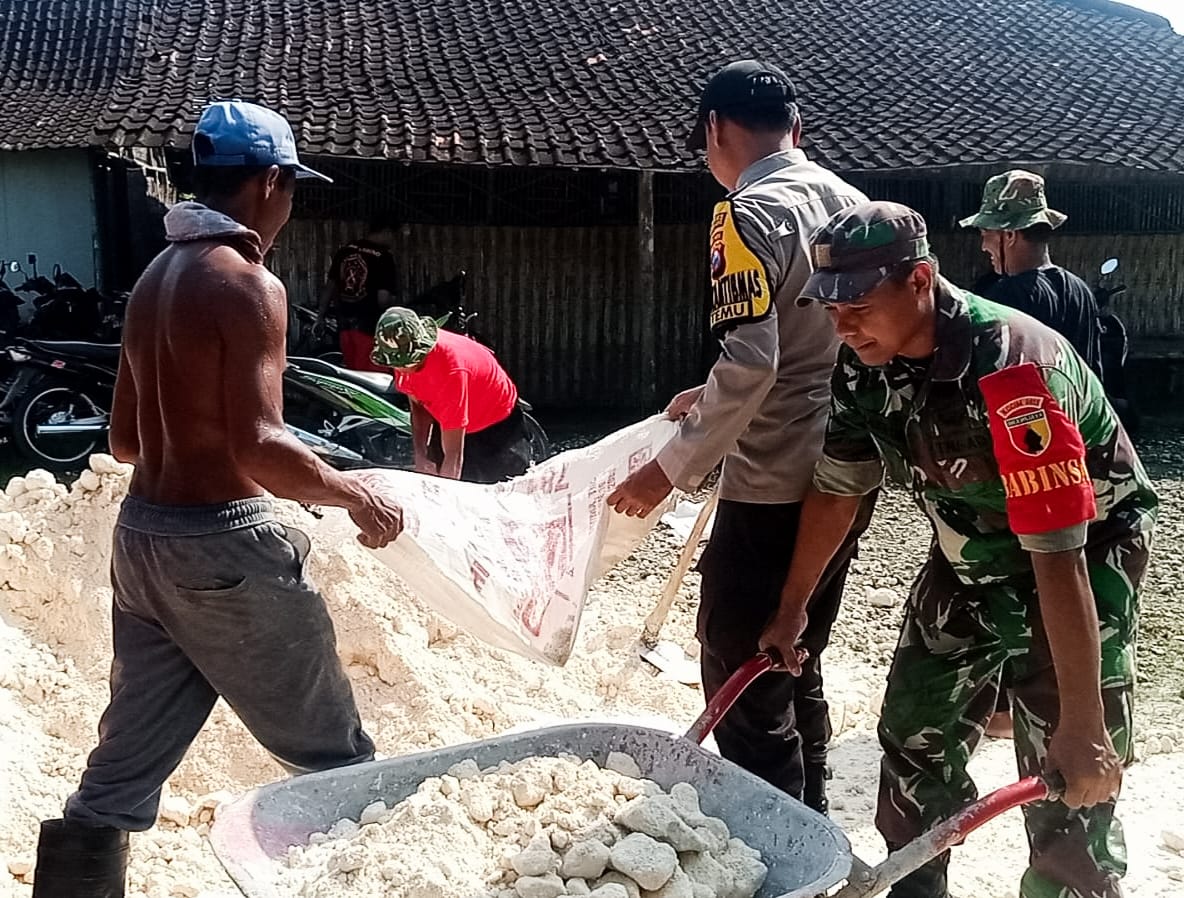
(174, 351)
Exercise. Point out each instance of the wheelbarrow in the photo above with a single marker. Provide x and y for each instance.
(805, 852)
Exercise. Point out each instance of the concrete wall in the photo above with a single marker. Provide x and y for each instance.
(47, 207)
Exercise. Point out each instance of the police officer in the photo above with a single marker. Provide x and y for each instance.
(1042, 519)
(762, 411)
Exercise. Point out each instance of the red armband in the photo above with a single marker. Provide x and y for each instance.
(1040, 452)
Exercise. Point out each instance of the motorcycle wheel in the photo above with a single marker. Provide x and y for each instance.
(49, 402)
(540, 443)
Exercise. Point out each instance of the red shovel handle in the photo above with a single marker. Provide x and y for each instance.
(872, 881)
(950, 832)
(723, 700)
(987, 808)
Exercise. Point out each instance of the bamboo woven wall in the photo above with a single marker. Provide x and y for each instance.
(558, 304)
(1151, 266)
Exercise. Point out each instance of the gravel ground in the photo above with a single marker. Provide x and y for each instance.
(1160, 698)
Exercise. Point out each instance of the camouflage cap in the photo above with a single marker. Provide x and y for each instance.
(403, 339)
(1013, 201)
(859, 247)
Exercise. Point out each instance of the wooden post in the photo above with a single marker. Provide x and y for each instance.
(490, 197)
(645, 286)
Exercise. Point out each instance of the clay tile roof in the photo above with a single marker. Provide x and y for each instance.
(883, 85)
(59, 61)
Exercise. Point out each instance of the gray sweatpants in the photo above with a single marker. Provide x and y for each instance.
(210, 601)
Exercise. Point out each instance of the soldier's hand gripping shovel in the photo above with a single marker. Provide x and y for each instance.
(864, 880)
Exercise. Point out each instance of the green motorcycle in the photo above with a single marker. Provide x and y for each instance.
(352, 419)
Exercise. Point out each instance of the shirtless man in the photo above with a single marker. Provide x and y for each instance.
(209, 594)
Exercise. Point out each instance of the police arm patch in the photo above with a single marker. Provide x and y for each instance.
(1040, 452)
(740, 290)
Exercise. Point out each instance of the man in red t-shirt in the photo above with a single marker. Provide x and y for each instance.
(466, 422)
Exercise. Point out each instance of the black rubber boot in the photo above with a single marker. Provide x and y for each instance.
(814, 787)
(927, 882)
(78, 861)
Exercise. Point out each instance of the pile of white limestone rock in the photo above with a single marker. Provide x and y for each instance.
(539, 828)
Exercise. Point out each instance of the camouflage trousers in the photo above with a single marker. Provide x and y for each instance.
(942, 689)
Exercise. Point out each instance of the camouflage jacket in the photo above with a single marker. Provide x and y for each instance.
(984, 459)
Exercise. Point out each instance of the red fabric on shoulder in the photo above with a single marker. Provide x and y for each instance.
(1040, 452)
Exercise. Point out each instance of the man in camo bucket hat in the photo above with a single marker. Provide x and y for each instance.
(466, 420)
(1016, 224)
(1042, 520)
(403, 339)
(1014, 201)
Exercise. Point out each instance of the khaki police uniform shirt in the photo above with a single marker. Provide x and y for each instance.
(764, 407)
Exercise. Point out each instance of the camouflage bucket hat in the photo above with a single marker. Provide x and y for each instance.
(1013, 201)
(859, 247)
(403, 339)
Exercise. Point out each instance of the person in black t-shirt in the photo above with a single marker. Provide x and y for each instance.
(1052, 295)
(1016, 225)
(362, 285)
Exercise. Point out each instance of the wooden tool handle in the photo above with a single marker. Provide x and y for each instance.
(657, 617)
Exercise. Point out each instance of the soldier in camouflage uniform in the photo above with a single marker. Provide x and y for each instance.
(1042, 518)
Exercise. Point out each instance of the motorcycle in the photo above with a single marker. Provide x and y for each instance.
(1115, 346)
(74, 312)
(65, 310)
(58, 399)
(352, 419)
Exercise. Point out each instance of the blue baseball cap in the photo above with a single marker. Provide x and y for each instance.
(238, 133)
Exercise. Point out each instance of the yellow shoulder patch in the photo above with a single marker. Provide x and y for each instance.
(739, 285)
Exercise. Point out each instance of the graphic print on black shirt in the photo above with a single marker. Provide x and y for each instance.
(361, 269)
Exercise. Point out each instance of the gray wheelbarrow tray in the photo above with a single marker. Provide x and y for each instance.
(805, 852)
